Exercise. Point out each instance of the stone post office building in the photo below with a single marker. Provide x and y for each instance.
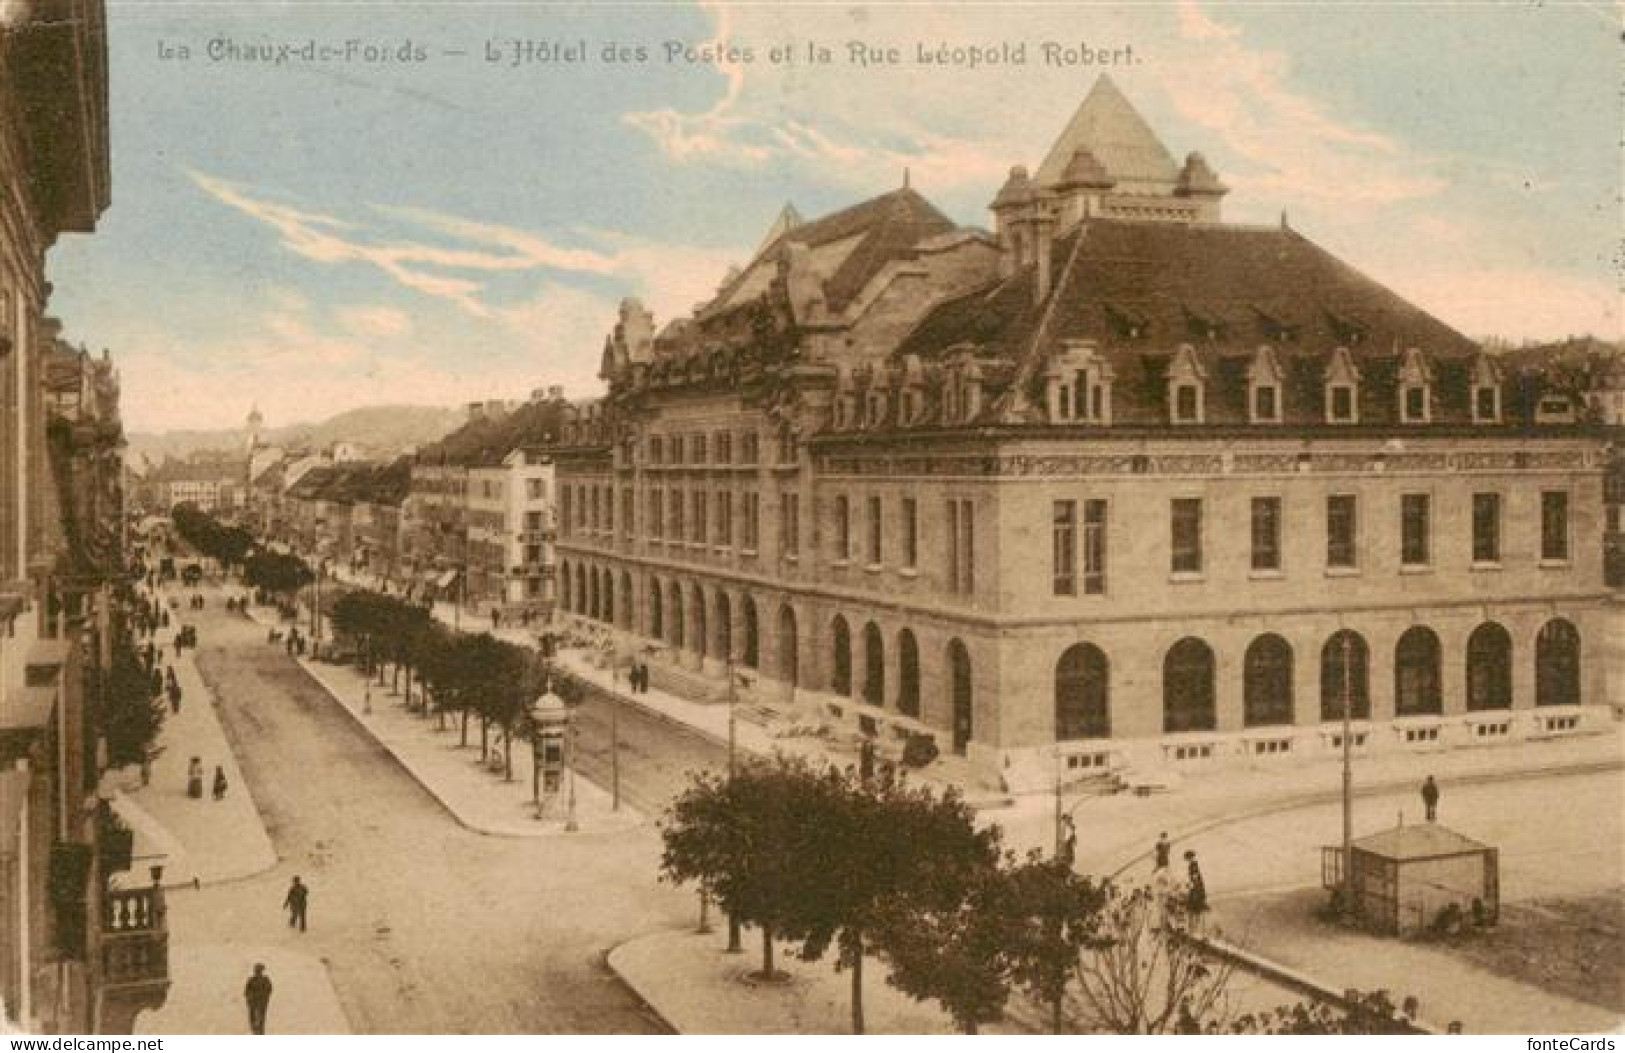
(1118, 478)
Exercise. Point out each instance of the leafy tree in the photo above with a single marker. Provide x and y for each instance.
(1055, 914)
(277, 573)
(749, 841)
(881, 847)
(133, 713)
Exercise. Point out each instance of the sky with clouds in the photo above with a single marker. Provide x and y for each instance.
(314, 235)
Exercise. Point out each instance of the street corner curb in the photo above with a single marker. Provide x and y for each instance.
(471, 825)
(639, 993)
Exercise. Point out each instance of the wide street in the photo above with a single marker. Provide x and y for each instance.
(426, 927)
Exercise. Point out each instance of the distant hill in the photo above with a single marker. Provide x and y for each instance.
(384, 430)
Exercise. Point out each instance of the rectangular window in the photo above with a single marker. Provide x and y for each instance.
(749, 447)
(725, 518)
(1064, 548)
(1416, 403)
(1486, 528)
(843, 529)
(1186, 535)
(1414, 530)
(725, 448)
(789, 524)
(626, 511)
(961, 546)
(536, 489)
(1264, 402)
(1094, 547)
(1484, 403)
(700, 503)
(1342, 403)
(876, 532)
(1342, 531)
(1185, 402)
(657, 515)
(911, 533)
(656, 450)
(697, 444)
(1554, 525)
(1266, 520)
(675, 528)
(753, 521)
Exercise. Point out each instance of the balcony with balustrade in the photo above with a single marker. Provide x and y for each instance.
(132, 956)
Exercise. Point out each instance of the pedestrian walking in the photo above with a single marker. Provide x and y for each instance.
(1196, 891)
(1163, 851)
(174, 690)
(257, 993)
(219, 782)
(194, 778)
(1430, 798)
(296, 901)
(291, 638)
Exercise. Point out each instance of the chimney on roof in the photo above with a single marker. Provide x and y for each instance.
(476, 410)
(555, 392)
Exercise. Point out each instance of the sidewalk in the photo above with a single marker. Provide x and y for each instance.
(699, 989)
(477, 797)
(196, 841)
(206, 992)
(1447, 987)
(1116, 831)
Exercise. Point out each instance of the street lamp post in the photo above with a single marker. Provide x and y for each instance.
(735, 946)
(1348, 781)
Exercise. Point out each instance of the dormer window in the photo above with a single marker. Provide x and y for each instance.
(1264, 388)
(1204, 327)
(1341, 403)
(1266, 404)
(1415, 388)
(1127, 323)
(1187, 404)
(1486, 391)
(1415, 404)
(1078, 386)
(1185, 388)
(1342, 389)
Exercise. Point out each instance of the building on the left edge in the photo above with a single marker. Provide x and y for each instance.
(75, 956)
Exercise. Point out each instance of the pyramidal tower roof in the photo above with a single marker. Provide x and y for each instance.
(1108, 127)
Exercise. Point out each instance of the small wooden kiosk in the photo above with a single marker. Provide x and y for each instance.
(1407, 878)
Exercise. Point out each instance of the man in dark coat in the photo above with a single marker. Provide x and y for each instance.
(295, 901)
(1430, 798)
(1163, 850)
(257, 993)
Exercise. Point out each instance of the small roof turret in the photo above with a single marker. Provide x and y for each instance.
(1086, 171)
(1198, 178)
(1017, 190)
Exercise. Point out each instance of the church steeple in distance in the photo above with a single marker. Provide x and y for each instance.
(256, 421)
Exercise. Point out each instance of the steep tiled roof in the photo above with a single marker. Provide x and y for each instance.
(887, 228)
(1141, 290)
(1108, 127)
(488, 440)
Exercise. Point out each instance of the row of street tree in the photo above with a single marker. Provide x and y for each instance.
(472, 676)
(829, 861)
